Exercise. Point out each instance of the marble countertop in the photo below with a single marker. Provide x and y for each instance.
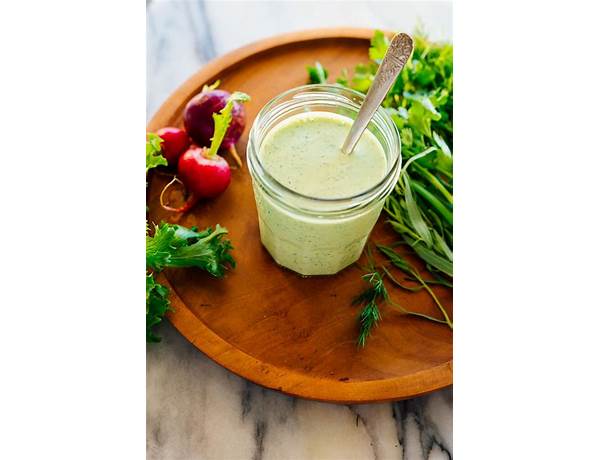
(195, 408)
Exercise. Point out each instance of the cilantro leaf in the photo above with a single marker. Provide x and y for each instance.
(406, 135)
(425, 101)
(363, 77)
(419, 119)
(379, 46)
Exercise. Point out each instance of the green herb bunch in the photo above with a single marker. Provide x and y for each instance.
(176, 246)
(420, 103)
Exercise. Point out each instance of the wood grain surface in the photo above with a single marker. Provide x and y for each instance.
(265, 323)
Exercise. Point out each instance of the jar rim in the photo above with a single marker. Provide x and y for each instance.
(333, 90)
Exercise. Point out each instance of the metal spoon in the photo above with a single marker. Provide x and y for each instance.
(396, 56)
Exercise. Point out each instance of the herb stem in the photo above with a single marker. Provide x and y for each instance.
(414, 313)
(435, 299)
(433, 181)
(433, 201)
(404, 229)
(439, 282)
(398, 283)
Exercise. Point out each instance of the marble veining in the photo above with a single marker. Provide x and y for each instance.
(195, 408)
(198, 410)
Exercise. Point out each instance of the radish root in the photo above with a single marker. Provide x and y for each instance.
(189, 203)
(235, 156)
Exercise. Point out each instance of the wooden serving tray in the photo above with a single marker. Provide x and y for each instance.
(265, 323)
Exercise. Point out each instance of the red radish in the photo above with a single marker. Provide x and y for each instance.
(204, 173)
(205, 176)
(198, 120)
(175, 142)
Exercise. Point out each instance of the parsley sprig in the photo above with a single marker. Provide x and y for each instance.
(176, 246)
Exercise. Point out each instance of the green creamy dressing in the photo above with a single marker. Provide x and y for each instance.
(304, 154)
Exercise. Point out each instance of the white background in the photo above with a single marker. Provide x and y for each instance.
(73, 113)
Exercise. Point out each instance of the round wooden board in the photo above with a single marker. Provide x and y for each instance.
(267, 324)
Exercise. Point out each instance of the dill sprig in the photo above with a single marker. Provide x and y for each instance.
(376, 294)
(370, 314)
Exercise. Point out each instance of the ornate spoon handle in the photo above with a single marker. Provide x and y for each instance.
(394, 60)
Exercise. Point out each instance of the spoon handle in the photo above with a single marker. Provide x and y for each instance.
(396, 56)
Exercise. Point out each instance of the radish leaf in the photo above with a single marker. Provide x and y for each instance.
(215, 85)
(222, 121)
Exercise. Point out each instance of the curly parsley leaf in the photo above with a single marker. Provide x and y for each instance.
(175, 246)
(160, 246)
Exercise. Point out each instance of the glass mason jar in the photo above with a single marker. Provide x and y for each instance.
(309, 234)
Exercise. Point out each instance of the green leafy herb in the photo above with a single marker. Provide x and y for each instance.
(420, 103)
(317, 74)
(157, 305)
(222, 120)
(176, 246)
(154, 156)
(363, 77)
(379, 46)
